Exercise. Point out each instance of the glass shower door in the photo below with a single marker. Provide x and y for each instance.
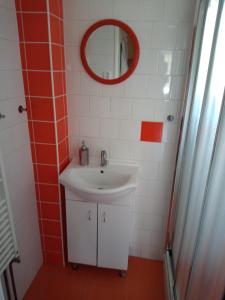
(205, 100)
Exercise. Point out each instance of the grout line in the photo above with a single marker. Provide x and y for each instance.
(43, 97)
(43, 71)
(44, 43)
(40, 13)
(43, 164)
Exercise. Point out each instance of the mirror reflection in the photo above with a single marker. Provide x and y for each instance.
(109, 52)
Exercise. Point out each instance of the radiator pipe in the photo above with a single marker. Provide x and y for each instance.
(15, 260)
(7, 285)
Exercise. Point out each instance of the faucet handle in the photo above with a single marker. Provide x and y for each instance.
(104, 153)
(103, 158)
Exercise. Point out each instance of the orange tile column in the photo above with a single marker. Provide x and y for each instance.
(40, 25)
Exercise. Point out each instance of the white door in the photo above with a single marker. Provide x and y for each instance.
(113, 236)
(82, 232)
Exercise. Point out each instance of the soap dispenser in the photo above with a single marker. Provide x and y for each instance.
(84, 154)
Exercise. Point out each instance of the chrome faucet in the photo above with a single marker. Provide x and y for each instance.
(103, 158)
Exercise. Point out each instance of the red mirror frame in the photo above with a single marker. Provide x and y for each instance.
(131, 34)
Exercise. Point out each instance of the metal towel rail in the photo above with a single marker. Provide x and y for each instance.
(8, 244)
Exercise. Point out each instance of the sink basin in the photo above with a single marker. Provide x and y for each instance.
(100, 184)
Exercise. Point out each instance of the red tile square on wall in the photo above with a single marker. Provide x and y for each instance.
(37, 56)
(48, 193)
(47, 174)
(151, 131)
(53, 244)
(40, 84)
(44, 132)
(46, 154)
(33, 5)
(58, 83)
(57, 57)
(55, 30)
(35, 27)
(50, 211)
(52, 228)
(60, 108)
(56, 7)
(42, 109)
(61, 130)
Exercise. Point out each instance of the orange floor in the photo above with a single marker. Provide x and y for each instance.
(144, 281)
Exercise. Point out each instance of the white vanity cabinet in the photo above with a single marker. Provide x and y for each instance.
(98, 234)
(81, 232)
(113, 236)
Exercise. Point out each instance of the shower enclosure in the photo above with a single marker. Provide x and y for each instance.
(195, 248)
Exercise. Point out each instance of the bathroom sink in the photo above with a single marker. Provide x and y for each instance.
(100, 184)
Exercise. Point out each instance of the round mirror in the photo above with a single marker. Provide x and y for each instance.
(109, 51)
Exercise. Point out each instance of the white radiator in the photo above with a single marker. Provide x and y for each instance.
(8, 244)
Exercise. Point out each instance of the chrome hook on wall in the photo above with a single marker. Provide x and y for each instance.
(21, 109)
(2, 116)
(170, 118)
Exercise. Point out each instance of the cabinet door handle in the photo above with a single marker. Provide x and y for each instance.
(89, 215)
(104, 217)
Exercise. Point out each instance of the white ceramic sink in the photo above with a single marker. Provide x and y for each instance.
(100, 184)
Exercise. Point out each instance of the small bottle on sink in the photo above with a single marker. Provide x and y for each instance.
(84, 155)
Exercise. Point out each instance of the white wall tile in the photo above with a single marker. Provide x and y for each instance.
(73, 61)
(120, 149)
(74, 125)
(89, 86)
(120, 108)
(151, 10)
(130, 130)
(179, 10)
(184, 35)
(100, 9)
(100, 106)
(159, 87)
(126, 9)
(109, 128)
(89, 127)
(148, 170)
(137, 86)
(143, 109)
(164, 35)
(76, 10)
(79, 105)
(73, 82)
(177, 88)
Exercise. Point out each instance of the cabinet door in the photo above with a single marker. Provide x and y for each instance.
(82, 232)
(113, 236)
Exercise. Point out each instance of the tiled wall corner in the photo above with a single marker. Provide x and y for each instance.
(40, 26)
